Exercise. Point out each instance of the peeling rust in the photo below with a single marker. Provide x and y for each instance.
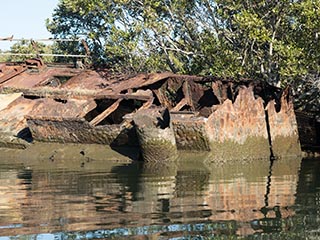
(12, 73)
(283, 127)
(237, 125)
(63, 104)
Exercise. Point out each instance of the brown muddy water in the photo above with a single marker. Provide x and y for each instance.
(86, 192)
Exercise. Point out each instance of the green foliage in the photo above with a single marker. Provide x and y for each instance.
(273, 40)
(138, 35)
(307, 93)
(246, 38)
(3, 58)
(30, 49)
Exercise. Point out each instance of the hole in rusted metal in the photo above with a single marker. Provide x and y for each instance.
(61, 100)
(55, 81)
(116, 116)
(230, 94)
(206, 102)
(125, 107)
(156, 101)
(179, 95)
(52, 82)
(155, 88)
(186, 108)
(25, 134)
(164, 120)
(102, 104)
(31, 97)
(62, 79)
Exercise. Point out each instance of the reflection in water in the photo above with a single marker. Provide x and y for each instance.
(186, 198)
(308, 198)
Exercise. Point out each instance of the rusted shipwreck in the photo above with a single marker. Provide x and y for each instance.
(159, 113)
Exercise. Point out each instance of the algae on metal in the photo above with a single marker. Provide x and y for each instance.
(191, 136)
(73, 131)
(252, 148)
(222, 116)
(158, 150)
(283, 146)
(12, 142)
(68, 155)
(155, 134)
(283, 127)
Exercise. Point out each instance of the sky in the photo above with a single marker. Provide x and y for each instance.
(24, 19)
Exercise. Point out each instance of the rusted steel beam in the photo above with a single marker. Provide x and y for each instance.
(139, 81)
(38, 62)
(105, 113)
(17, 70)
(161, 98)
(187, 94)
(123, 96)
(147, 104)
(129, 117)
(219, 91)
(48, 92)
(180, 105)
(64, 94)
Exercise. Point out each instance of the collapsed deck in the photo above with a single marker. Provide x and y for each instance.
(160, 113)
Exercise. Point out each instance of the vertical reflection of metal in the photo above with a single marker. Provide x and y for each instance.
(268, 224)
(272, 157)
(26, 178)
(268, 186)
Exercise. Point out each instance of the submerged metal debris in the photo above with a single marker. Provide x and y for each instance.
(230, 119)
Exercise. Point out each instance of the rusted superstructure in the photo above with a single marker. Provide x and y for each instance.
(229, 119)
(309, 132)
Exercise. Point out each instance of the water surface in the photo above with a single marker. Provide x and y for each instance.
(86, 198)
